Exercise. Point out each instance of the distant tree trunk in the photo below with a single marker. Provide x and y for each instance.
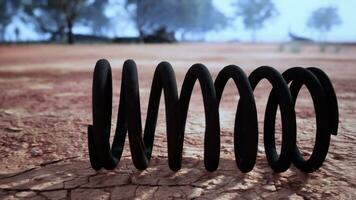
(141, 35)
(70, 36)
(140, 9)
(17, 34)
(2, 39)
(3, 32)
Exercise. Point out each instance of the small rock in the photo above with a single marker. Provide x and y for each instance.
(24, 145)
(35, 152)
(271, 188)
(8, 112)
(14, 129)
(295, 197)
(35, 145)
(25, 194)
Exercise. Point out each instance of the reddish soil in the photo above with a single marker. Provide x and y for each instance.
(45, 107)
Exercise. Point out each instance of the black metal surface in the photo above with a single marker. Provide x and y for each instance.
(246, 126)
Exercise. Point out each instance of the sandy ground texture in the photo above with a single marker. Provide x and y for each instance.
(45, 107)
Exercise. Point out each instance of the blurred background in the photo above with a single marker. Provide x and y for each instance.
(168, 21)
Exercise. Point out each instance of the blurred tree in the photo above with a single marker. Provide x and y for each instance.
(93, 15)
(197, 16)
(145, 13)
(17, 33)
(183, 15)
(255, 13)
(323, 20)
(58, 17)
(7, 10)
(5, 18)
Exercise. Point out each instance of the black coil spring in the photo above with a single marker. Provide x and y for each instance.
(246, 126)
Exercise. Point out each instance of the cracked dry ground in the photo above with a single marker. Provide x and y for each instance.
(45, 107)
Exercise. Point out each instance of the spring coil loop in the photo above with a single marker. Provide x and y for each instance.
(246, 126)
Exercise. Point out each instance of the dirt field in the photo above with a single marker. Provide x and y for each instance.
(45, 107)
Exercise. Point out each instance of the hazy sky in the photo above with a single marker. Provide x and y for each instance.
(293, 15)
